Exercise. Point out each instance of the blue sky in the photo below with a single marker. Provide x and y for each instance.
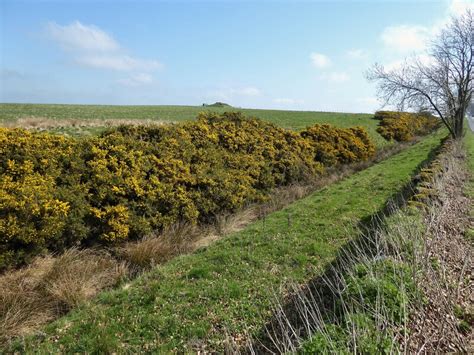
(261, 54)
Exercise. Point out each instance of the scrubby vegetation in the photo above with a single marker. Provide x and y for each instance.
(333, 146)
(404, 126)
(231, 278)
(56, 192)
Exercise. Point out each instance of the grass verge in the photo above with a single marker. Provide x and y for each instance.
(401, 287)
(469, 146)
(193, 301)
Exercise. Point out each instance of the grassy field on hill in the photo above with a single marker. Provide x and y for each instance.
(288, 119)
(193, 301)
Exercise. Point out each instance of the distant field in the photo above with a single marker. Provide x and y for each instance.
(288, 119)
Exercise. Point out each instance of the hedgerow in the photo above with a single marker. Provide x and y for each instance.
(404, 126)
(57, 192)
(333, 145)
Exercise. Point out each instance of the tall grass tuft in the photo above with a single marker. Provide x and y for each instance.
(51, 286)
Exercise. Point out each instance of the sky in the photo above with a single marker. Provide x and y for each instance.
(296, 55)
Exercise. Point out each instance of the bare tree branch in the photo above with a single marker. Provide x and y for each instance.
(443, 84)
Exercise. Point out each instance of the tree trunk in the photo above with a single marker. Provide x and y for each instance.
(458, 124)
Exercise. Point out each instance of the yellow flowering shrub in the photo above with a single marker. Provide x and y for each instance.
(334, 145)
(113, 222)
(57, 192)
(404, 126)
(35, 209)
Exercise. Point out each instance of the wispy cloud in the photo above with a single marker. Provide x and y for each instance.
(320, 60)
(117, 62)
(458, 7)
(92, 47)
(136, 80)
(406, 38)
(79, 37)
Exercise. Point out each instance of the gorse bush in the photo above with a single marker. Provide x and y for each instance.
(404, 126)
(334, 145)
(57, 192)
(42, 198)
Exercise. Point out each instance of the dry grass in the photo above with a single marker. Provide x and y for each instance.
(156, 249)
(44, 123)
(51, 286)
(183, 238)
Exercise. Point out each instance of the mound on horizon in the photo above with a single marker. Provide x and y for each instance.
(217, 104)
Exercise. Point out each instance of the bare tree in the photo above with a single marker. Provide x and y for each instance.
(441, 83)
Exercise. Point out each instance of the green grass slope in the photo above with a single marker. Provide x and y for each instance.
(288, 119)
(194, 300)
(469, 145)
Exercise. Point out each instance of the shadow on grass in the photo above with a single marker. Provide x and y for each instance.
(363, 245)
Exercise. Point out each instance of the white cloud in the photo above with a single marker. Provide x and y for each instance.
(406, 38)
(287, 101)
(118, 62)
(357, 54)
(320, 60)
(77, 36)
(457, 7)
(415, 38)
(136, 80)
(93, 47)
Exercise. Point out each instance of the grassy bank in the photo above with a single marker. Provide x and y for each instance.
(469, 146)
(402, 287)
(287, 119)
(193, 301)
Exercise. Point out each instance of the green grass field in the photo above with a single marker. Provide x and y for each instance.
(288, 119)
(195, 300)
